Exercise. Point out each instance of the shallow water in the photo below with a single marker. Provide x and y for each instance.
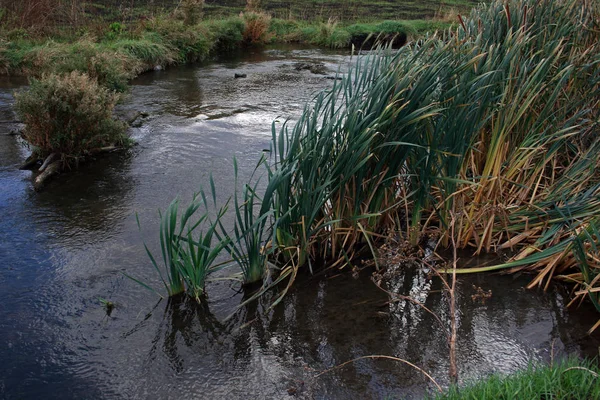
(65, 248)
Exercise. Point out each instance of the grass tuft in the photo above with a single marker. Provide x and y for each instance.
(188, 251)
(572, 379)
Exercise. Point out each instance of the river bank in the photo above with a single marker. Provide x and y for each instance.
(114, 53)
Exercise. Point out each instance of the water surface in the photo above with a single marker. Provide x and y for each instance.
(67, 247)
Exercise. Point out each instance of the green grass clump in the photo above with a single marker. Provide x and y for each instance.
(284, 30)
(189, 247)
(420, 27)
(361, 29)
(110, 67)
(369, 35)
(190, 43)
(148, 51)
(393, 28)
(330, 35)
(568, 380)
(334, 35)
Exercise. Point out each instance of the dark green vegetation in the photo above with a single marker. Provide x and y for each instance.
(572, 379)
(486, 139)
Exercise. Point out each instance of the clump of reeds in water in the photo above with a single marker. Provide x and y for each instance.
(190, 246)
(492, 125)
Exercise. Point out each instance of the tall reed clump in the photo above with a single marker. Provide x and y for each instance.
(493, 126)
(496, 127)
(69, 116)
(189, 247)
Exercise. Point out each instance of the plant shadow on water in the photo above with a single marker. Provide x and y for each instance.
(255, 351)
(190, 323)
(103, 189)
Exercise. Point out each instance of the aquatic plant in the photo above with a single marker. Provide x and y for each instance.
(189, 246)
(245, 243)
(491, 128)
(495, 127)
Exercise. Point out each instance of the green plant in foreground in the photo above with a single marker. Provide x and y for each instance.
(568, 380)
(246, 243)
(188, 251)
(497, 129)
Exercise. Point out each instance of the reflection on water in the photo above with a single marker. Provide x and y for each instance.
(67, 247)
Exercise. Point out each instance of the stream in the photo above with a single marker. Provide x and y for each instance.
(65, 249)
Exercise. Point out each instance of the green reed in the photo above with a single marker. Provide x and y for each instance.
(491, 127)
(190, 246)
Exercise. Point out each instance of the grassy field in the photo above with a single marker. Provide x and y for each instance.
(312, 10)
(345, 10)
